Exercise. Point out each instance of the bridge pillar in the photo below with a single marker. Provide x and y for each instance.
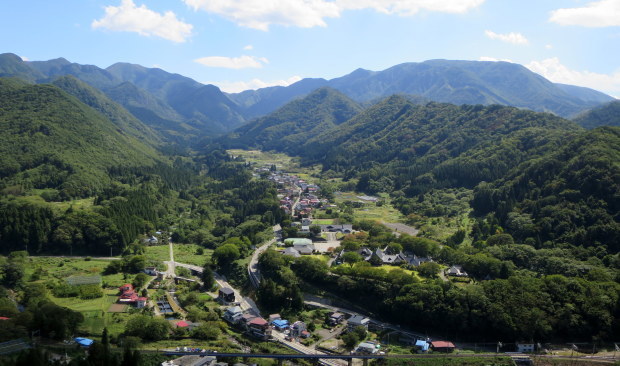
(280, 361)
(365, 362)
(350, 362)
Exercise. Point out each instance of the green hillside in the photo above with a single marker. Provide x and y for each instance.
(607, 114)
(288, 128)
(52, 140)
(569, 196)
(435, 145)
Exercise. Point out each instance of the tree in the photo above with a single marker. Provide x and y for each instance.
(350, 340)
(315, 230)
(12, 274)
(207, 277)
(351, 258)
(207, 331)
(140, 280)
(429, 269)
(225, 254)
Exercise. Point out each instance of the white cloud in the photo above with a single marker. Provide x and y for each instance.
(248, 47)
(242, 62)
(24, 58)
(555, 71)
(512, 37)
(239, 86)
(260, 14)
(410, 7)
(604, 13)
(139, 19)
(548, 46)
(487, 58)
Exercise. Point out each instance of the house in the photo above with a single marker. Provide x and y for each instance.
(382, 257)
(298, 329)
(151, 271)
(442, 346)
(345, 229)
(226, 295)
(525, 347)
(127, 294)
(182, 324)
(457, 271)
(306, 221)
(421, 345)
(233, 314)
(141, 302)
(304, 249)
(357, 321)
(259, 327)
(335, 318)
(414, 260)
(280, 324)
(366, 347)
(292, 252)
(273, 317)
(126, 287)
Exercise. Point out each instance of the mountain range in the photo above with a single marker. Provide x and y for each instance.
(184, 110)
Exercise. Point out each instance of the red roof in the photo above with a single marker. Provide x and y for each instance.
(4, 318)
(182, 324)
(142, 299)
(442, 344)
(258, 321)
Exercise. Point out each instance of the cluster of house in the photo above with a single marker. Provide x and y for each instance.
(304, 227)
(381, 256)
(130, 296)
(253, 325)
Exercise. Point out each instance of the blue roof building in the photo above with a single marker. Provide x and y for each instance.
(422, 345)
(280, 324)
(84, 342)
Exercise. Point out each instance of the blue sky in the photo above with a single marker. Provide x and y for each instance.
(246, 44)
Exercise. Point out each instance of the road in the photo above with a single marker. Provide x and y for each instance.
(245, 303)
(306, 350)
(253, 271)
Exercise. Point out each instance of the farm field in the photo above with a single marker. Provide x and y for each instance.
(184, 253)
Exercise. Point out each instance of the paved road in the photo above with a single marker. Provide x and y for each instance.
(306, 350)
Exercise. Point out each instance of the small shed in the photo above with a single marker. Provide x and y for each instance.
(442, 346)
(182, 324)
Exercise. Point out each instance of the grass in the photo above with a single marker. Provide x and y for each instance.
(183, 253)
(370, 210)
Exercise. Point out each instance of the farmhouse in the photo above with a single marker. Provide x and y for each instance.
(442, 346)
(357, 321)
(457, 271)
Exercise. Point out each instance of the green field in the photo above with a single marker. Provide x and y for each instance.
(370, 210)
(183, 253)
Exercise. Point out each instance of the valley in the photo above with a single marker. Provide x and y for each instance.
(388, 214)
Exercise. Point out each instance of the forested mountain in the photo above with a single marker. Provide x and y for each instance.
(567, 196)
(178, 107)
(456, 82)
(605, 115)
(95, 99)
(291, 126)
(52, 140)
